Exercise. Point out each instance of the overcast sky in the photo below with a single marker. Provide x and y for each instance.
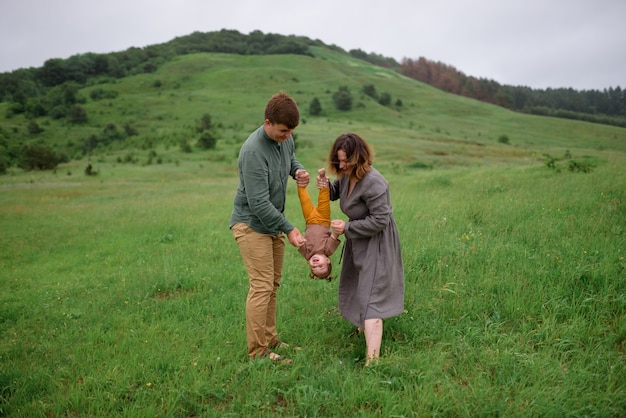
(535, 43)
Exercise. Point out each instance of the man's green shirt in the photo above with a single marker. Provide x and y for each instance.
(264, 169)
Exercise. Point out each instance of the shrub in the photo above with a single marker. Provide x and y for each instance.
(503, 139)
(184, 146)
(315, 108)
(4, 160)
(130, 130)
(207, 140)
(99, 94)
(551, 161)
(343, 98)
(89, 171)
(206, 123)
(34, 128)
(37, 157)
(77, 114)
(579, 166)
(370, 90)
(385, 99)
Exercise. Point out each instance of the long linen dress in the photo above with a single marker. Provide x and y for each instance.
(372, 276)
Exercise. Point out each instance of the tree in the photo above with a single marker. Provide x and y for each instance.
(53, 72)
(315, 108)
(343, 98)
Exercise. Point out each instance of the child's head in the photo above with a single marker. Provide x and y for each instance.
(321, 267)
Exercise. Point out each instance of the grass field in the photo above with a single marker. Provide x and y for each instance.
(123, 293)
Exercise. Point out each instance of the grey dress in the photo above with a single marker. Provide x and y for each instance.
(372, 277)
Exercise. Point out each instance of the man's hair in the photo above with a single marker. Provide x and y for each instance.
(281, 108)
(358, 153)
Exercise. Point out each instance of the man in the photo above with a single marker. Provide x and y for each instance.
(266, 161)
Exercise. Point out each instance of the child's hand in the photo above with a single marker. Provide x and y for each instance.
(322, 180)
(302, 178)
(338, 226)
(295, 238)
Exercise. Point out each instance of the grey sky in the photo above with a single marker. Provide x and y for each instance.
(536, 43)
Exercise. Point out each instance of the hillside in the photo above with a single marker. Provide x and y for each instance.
(124, 291)
(160, 112)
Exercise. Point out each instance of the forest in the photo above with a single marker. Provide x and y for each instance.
(50, 90)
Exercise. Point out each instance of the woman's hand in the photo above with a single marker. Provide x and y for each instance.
(338, 226)
(323, 182)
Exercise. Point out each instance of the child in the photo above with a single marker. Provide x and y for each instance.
(321, 242)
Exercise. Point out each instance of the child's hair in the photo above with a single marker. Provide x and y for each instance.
(326, 277)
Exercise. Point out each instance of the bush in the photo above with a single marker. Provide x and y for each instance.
(89, 171)
(184, 146)
(77, 114)
(4, 160)
(579, 166)
(99, 94)
(385, 99)
(315, 108)
(206, 124)
(130, 130)
(207, 140)
(503, 139)
(343, 98)
(37, 157)
(34, 128)
(370, 90)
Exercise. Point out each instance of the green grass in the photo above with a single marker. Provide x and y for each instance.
(123, 293)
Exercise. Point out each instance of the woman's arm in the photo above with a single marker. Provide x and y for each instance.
(375, 195)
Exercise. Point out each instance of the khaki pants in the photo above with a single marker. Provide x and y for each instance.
(263, 258)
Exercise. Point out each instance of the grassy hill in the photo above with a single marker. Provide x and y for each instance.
(123, 293)
(430, 127)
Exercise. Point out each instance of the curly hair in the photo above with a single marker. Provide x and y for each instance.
(358, 153)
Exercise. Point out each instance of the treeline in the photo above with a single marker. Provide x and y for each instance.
(29, 90)
(20, 85)
(607, 106)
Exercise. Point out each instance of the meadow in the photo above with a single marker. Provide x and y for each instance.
(123, 293)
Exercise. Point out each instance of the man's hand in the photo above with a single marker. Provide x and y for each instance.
(295, 238)
(302, 178)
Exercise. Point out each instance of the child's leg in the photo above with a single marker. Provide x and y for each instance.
(320, 215)
(306, 204)
(323, 206)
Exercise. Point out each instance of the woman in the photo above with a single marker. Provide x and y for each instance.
(371, 287)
